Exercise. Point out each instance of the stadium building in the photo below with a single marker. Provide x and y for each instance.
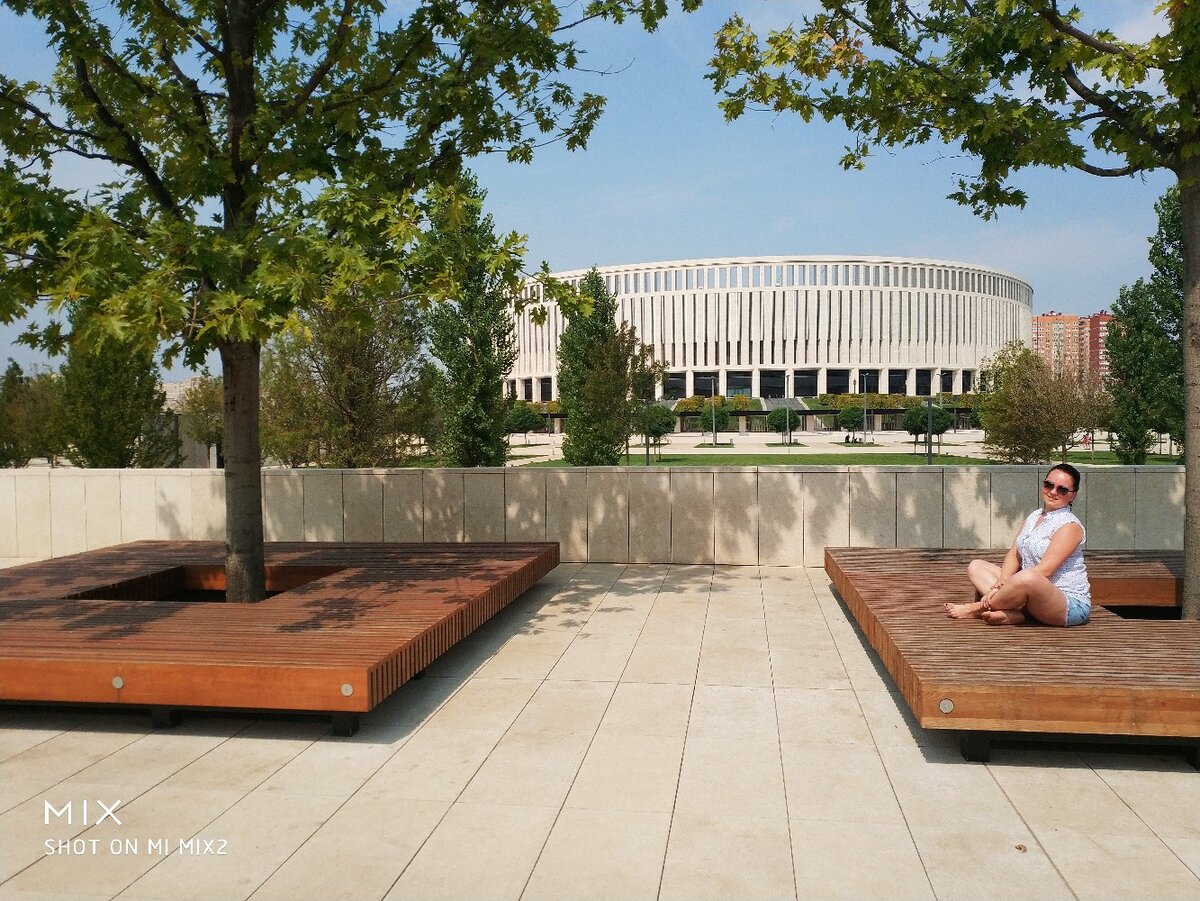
(776, 327)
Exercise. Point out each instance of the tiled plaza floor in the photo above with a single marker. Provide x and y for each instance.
(620, 732)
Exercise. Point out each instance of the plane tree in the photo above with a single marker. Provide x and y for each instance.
(1013, 84)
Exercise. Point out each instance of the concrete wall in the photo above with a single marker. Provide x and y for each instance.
(777, 515)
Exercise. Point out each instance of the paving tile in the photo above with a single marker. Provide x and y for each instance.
(982, 861)
(163, 814)
(735, 632)
(485, 705)
(733, 666)
(564, 708)
(527, 656)
(594, 657)
(931, 781)
(732, 776)
(853, 861)
(601, 855)
(821, 716)
(802, 668)
(648, 709)
(1163, 791)
(1052, 794)
(528, 769)
(242, 763)
(662, 663)
(25, 728)
(628, 772)
(732, 711)
(1109, 867)
(844, 783)
(252, 852)
(65, 755)
(335, 766)
(716, 856)
(435, 764)
(357, 853)
(503, 842)
(156, 756)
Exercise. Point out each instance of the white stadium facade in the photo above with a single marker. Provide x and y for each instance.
(777, 327)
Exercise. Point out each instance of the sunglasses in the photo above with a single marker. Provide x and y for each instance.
(1062, 490)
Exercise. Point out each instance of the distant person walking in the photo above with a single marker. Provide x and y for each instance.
(1043, 575)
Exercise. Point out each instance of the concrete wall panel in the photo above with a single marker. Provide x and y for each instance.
(68, 512)
(736, 501)
(608, 515)
(404, 506)
(872, 497)
(693, 511)
(103, 514)
(567, 512)
(1112, 508)
(362, 515)
(442, 490)
(208, 505)
(283, 504)
(173, 493)
(139, 505)
(525, 504)
(967, 507)
(1159, 522)
(483, 505)
(1014, 494)
(8, 515)
(323, 505)
(826, 512)
(781, 516)
(649, 515)
(919, 507)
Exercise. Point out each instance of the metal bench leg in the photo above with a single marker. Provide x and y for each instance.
(345, 724)
(975, 746)
(164, 717)
(1192, 755)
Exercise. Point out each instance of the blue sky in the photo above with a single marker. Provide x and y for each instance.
(665, 177)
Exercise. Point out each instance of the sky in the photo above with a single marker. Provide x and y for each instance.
(664, 177)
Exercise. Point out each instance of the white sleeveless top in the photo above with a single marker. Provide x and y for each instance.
(1070, 578)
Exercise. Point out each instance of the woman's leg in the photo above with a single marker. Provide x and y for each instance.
(1029, 593)
(983, 576)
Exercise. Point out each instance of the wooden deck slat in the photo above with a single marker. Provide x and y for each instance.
(1112, 676)
(374, 616)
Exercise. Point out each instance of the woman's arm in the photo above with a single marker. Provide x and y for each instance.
(1011, 564)
(1064, 542)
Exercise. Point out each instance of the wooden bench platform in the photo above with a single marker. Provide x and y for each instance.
(1113, 676)
(352, 622)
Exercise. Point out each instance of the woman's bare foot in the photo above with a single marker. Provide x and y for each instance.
(1002, 617)
(963, 611)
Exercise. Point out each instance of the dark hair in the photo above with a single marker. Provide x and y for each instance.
(1069, 470)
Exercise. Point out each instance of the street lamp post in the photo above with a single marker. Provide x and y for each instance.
(712, 403)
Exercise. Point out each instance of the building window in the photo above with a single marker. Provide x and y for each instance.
(897, 381)
(837, 381)
(868, 381)
(527, 387)
(924, 382)
(771, 383)
(738, 383)
(674, 385)
(805, 383)
(544, 388)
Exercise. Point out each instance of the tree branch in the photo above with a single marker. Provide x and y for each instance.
(1113, 110)
(137, 157)
(323, 69)
(186, 27)
(1108, 173)
(1051, 15)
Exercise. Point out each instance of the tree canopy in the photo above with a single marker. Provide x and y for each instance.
(1012, 83)
(269, 159)
(1145, 350)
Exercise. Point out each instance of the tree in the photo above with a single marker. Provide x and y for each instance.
(522, 418)
(590, 389)
(851, 419)
(114, 413)
(1015, 84)
(30, 416)
(1145, 347)
(1026, 411)
(474, 339)
(783, 420)
(268, 158)
(200, 413)
(654, 423)
(916, 422)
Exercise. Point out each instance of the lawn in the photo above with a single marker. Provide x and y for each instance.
(846, 458)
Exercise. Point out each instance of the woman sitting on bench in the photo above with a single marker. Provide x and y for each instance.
(1043, 575)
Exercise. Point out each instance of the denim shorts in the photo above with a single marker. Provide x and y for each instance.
(1078, 610)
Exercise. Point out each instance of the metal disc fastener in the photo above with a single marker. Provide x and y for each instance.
(946, 705)
(118, 682)
(347, 689)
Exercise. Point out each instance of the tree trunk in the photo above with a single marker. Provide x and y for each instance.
(1189, 195)
(245, 579)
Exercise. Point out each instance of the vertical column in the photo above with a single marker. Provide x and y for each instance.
(689, 382)
(910, 382)
(822, 382)
(755, 382)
